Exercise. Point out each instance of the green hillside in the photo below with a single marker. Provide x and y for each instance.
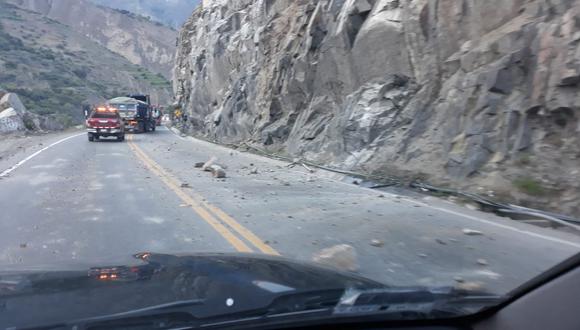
(55, 70)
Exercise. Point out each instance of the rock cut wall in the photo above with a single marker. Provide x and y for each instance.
(481, 95)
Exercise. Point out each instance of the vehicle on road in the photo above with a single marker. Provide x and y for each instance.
(105, 122)
(136, 112)
(245, 291)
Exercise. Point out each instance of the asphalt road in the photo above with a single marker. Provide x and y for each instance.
(84, 202)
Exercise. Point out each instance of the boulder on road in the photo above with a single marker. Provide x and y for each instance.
(11, 100)
(11, 121)
(341, 256)
(207, 166)
(217, 171)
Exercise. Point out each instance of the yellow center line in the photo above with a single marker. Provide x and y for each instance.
(205, 215)
(197, 203)
(243, 231)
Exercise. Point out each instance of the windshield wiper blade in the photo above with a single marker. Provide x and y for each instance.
(179, 314)
(164, 313)
(387, 303)
(414, 303)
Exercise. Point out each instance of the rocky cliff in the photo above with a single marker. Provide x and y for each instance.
(480, 95)
(139, 40)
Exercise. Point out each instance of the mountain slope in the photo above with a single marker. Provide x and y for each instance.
(54, 69)
(139, 40)
(169, 12)
(480, 95)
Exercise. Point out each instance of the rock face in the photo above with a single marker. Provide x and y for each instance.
(465, 93)
(137, 39)
(15, 118)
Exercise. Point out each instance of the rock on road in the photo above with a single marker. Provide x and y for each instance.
(91, 203)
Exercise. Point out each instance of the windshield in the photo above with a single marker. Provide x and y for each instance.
(354, 154)
(101, 115)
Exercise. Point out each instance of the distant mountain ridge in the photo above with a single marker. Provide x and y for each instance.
(139, 40)
(55, 68)
(172, 13)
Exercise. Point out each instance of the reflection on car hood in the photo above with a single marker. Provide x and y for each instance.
(224, 281)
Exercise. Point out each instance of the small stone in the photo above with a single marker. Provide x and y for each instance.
(440, 241)
(458, 279)
(471, 232)
(469, 286)
(286, 183)
(377, 243)
(318, 186)
(248, 215)
(381, 196)
(422, 255)
(206, 166)
(482, 262)
(254, 171)
(472, 207)
(453, 240)
(218, 172)
(198, 165)
(185, 185)
(23, 246)
(340, 256)
(355, 182)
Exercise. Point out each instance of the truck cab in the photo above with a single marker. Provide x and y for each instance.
(105, 122)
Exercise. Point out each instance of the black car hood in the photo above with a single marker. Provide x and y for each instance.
(224, 282)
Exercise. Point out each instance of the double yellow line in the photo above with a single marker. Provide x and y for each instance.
(219, 220)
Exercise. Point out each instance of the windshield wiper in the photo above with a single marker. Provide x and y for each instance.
(185, 314)
(414, 303)
(389, 304)
(158, 316)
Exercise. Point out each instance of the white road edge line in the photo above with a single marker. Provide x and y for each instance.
(176, 132)
(488, 222)
(22, 162)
